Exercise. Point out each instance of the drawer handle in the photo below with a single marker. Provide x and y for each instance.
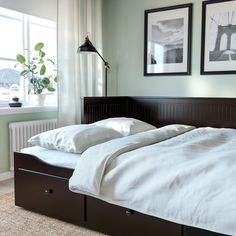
(48, 191)
(129, 212)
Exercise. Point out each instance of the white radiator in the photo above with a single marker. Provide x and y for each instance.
(20, 132)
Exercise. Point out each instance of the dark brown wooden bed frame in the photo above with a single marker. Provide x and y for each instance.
(42, 188)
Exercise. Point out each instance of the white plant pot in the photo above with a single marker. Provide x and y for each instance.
(37, 100)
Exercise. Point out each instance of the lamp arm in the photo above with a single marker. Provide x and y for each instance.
(105, 62)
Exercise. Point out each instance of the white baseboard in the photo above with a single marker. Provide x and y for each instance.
(6, 175)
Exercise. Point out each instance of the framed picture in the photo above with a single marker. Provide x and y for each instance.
(218, 55)
(167, 40)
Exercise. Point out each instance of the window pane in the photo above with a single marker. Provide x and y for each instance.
(11, 37)
(10, 82)
(41, 21)
(45, 35)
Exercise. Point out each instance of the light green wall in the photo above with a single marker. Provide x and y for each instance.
(123, 22)
(4, 133)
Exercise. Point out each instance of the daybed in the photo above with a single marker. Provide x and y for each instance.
(43, 188)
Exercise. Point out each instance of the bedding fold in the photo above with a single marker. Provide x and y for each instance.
(186, 176)
(91, 166)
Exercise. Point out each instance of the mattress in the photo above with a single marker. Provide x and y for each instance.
(53, 157)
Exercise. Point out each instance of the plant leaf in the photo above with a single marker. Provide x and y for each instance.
(20, 58)
(33, 67)
(42, 54)
(46, 81)
(24, 72)
(55, 79)
(38, 46)
(39, 91)
(33, 81)
(42, 70)
(51, 89)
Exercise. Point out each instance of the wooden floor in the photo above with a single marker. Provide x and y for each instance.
(6, 186)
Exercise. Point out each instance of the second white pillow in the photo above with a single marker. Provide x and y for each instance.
(126, 126)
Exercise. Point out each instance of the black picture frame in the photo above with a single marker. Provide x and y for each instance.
(218, 43)
(167, 40)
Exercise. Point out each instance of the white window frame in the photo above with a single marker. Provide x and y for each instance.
(25, 44)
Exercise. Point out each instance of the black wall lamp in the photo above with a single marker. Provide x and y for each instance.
(88, 48)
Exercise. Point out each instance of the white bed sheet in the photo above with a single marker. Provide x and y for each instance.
(53, 157)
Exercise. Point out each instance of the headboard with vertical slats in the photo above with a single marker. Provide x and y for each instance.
(160, 111)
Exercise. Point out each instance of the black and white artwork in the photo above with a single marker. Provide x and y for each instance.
(168, 40)
(168, 35)
(218, 37)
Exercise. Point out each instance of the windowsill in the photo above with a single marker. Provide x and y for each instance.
(25, 109)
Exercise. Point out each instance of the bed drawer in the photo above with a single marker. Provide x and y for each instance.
(115, 220)
(191, 231)
(48, 195)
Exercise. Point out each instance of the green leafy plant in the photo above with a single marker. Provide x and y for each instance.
(38, 72)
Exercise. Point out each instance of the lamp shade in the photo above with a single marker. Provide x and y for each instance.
(87, 47)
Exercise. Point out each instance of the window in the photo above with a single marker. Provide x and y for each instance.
(21, 31)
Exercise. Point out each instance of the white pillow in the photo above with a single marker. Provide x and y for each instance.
(74, 138)
(126, 126)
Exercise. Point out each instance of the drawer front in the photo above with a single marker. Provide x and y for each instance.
(191, 231)
(48, 195)
(116, 220)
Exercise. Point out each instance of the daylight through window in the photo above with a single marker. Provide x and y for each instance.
(19, 32)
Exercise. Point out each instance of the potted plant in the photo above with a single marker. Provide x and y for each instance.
(40, 71)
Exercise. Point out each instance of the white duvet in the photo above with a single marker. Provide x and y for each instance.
(188, 179)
